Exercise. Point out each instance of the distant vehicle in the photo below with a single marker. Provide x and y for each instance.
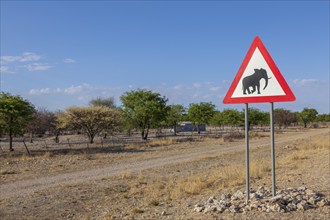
(187, 126)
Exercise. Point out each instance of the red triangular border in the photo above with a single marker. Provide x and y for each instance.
(288, 97)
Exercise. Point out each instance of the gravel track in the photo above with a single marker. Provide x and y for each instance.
(27, 187)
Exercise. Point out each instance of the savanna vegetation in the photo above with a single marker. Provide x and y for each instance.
(156, 178)
(141, 110)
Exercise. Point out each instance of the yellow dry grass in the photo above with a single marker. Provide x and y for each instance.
(217, 179)
(172, 188)
(306, 149)
(161, 142)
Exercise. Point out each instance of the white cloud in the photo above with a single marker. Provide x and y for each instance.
(9, 59)
(29, 57)
(5, 69)
(215, 88)
(305, 82)
(79, 89)
(38, 66)
(69, 60)
(309, 93)
(71, 90)
(40, 91)
(197, 85)
(24, 57)
(178, 87)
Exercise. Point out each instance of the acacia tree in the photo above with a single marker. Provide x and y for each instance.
(201, 113)
(43, 121)
(257, 117)
(216, 120)
(144, 109)
(174, 115)
(323, 118)
(308, 115)
(15, 114)
(92, 120)
(108, 102)
(231, 117)
(284, 117)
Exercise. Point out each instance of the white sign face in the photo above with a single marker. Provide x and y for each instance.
(258, 79)
(254, 79)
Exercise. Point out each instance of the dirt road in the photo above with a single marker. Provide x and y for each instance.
(167, 158)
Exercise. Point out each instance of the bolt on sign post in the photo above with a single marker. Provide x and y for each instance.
(258, 80)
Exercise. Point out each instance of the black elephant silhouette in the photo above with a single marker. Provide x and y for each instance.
(254, 81)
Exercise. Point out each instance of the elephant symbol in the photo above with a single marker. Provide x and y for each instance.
(254, 81)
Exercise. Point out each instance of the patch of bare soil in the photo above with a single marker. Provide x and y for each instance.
(162, 182)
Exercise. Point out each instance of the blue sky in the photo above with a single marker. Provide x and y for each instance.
(63, 53)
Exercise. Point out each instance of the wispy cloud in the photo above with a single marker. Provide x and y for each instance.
(24, 57)
(71, 90)
(79, 89)
(215, 88)
(75, 94)
(29, 57)
(9, 59)
(38, 66)
(305, 82)
(41, 91)
(69, 60)
(307, 91)
(5, 69)
(197, 85)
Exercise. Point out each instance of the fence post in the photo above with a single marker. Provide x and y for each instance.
(26, 147)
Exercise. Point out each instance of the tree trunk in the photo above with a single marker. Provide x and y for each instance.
(91, 139)
(57, 134)
(57, 139)
(145, 133)
(198, 129)
(305, 124)
(11, 140)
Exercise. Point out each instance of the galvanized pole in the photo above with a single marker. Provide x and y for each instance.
(272, 142)
(247, 157)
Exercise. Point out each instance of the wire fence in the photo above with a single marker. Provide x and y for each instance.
(122, 139)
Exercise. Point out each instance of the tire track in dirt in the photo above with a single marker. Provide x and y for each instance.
(26, 187)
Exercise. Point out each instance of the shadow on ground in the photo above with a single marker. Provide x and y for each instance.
(53, 151)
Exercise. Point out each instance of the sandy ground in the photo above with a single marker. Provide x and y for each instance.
(129, 183)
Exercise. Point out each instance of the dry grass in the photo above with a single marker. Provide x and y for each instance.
(153, 143)
(305, 149)
(161, 142)
(126, 175)
(173, 188)
(217, 179)
(257, 135)
(137, 211)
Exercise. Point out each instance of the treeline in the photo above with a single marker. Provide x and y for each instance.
(141, 110)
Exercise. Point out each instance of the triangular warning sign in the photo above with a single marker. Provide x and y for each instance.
(258, 79)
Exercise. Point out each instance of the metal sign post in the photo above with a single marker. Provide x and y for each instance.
(258, 66)
(272, 143)
(247, 156)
